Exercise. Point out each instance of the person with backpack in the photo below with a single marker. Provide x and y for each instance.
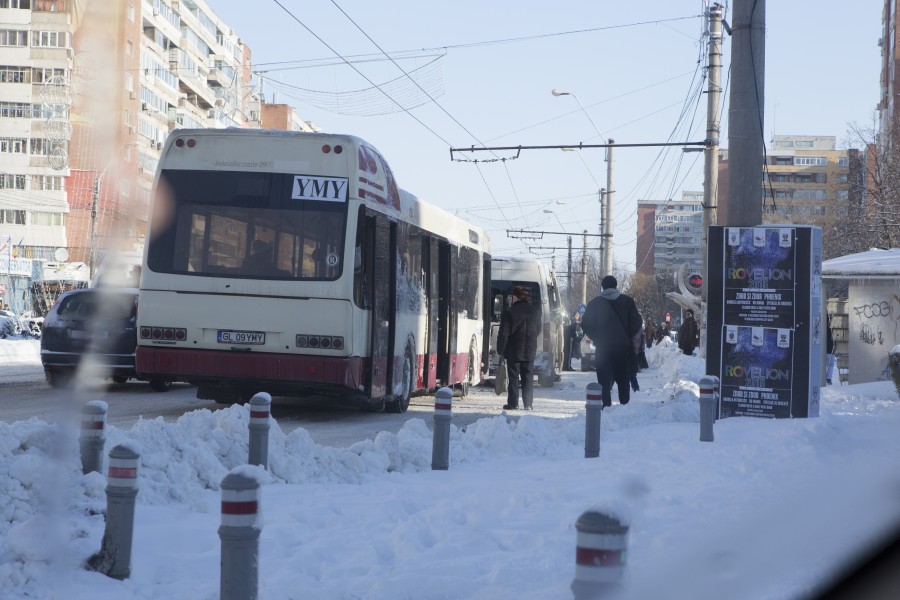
(611, 321)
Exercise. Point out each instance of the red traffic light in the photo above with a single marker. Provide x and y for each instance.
(695, 280)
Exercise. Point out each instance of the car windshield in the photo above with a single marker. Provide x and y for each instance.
(85, 305)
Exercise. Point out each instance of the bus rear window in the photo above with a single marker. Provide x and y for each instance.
(246, 225)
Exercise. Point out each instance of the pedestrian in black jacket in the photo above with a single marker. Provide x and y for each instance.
(611, 321)
(517, 340)
(688, 333)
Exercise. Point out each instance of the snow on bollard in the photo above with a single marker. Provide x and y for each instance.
(114, 558)
(709, 391)
(593, 409)
(260, 411)
(600, 553)
(440, 449)
(239, 534)
(93, 435)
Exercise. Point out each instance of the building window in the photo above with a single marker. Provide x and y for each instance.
(41, 147)
(129, 48)
(12, 217)
(844, 161)
(10, 74)
(842, 178)
(49, 39)
(39, 75)
(843, 194)
(10, 181)
(47, 183)
(13, 145)
(46, 218)
(131, 12)
(13, 37)
(23, 4)
(129, 82)
(815, 161)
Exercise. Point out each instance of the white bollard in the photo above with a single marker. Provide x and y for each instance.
(239, 534)
(709, 392)
(93, 435)
(114, 558)
(600, 555)
(260, 411)
(593, 409)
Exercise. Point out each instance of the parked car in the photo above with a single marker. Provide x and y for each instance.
(9, 324)
(100, 323)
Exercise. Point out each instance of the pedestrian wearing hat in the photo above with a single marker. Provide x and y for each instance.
(611, 321)
(517, 339)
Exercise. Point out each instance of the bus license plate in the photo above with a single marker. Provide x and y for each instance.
(225, 336)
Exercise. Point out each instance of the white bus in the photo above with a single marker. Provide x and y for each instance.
(292, 263)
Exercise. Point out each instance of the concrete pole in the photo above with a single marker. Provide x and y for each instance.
(746, 145)
(709, 389)
(603, 240)
(569, 267)
(607, 221)
(584, 276)
(711, 163)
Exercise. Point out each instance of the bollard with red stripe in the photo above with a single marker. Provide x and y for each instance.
(93, 435)
(440, 447)
(593, 409)
(709, 393)
(239, 533)
(600, 555)
(114, 558)
(260, 413)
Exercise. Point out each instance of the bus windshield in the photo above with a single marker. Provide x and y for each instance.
(246, 225)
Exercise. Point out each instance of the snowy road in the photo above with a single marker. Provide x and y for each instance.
(25, 395)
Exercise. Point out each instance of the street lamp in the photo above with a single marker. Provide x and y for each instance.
(605, 211)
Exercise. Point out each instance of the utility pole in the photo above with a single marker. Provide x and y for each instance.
(584, 277)
(711, 164)
(607, 221)
(569, 274)
(602, 228)
(746, 145)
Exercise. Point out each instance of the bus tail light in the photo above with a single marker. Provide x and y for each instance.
(163, 333)
(325, 342)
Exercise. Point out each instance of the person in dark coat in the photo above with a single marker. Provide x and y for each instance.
(688, 333)
(517, 340)
(573, 337)
(663, 332)
(611, 321)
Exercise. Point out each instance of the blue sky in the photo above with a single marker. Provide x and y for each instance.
(633, 66)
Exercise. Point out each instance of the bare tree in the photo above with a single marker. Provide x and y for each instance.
(877, 186)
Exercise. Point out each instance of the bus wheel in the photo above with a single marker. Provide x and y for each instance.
(399, 404)
(158, 384)
(58, 379)
(466, 385)
(546, 380)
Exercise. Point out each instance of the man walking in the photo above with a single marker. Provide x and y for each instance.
(688, 334)
(517, 338)
(611, 321)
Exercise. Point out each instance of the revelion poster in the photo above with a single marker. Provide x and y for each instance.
(764, 306)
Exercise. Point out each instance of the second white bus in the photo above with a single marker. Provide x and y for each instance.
(292, 263)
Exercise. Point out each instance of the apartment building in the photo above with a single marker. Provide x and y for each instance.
(148, 67)
(670, 234)
(805, 180)
(34, 96)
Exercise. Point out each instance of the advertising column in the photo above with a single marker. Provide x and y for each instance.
(765, 309)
